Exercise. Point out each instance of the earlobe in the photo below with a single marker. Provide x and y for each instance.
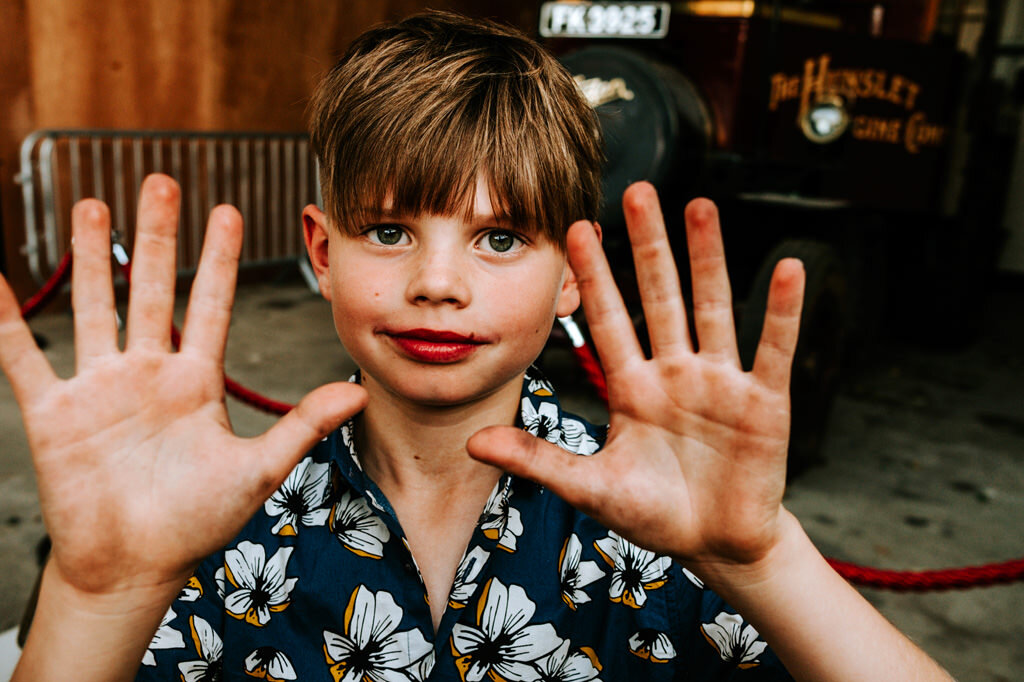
(316, 232)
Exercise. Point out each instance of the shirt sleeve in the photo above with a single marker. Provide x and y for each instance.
(188, 645)
(720, 644)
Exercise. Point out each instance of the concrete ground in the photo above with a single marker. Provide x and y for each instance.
(925, 463)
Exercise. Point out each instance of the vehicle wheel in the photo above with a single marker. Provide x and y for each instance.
(819, 352)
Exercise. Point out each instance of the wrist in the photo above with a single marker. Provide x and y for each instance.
(102, 634)
(113, 600)
(790, 550)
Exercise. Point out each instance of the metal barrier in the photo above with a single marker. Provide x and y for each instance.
(268, 176)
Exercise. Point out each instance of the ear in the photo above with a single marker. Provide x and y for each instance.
(569, 296)
(316, 232)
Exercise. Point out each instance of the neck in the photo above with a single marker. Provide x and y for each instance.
(407, 447)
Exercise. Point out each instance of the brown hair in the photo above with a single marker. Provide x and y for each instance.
(415, 110)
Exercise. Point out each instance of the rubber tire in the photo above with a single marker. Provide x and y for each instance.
(824, 332)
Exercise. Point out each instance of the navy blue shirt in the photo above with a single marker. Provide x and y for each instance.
(321, 585)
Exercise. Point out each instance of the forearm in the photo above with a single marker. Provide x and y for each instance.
(98, 637)
(801, 607)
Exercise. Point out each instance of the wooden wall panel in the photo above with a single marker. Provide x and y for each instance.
(188, 64)
(16, 119)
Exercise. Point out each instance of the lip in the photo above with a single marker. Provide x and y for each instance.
(434, 346)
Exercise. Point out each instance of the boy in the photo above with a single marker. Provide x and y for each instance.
(453, 153)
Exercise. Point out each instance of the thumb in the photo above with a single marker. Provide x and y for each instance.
(569, 476)
(320, 412)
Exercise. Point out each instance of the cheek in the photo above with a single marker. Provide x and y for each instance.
(356, 301)
(530, 309)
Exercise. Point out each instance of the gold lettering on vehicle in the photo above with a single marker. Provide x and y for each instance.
(820, 82)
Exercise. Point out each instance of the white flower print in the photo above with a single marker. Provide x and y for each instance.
(634, 570)
(262, 586)
(166, 637)
(465, 575)
(268, 663)
(421, 671)
(734, 640)
(567, 433)
(502, 646)
(576, 439)
(357, 527)
(192, 590)
(300, 499)
(346, 438)
(697, 582)
(539, 386)
(541, 421)
(500, 521)
(369, 649)
(575, 574)
(561, 666)
(346, 434)
(221, 582)
(652, 646)
(210, 649)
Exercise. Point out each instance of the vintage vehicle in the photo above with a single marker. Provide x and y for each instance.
(817, 138)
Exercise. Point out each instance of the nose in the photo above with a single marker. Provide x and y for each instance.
(439, 276)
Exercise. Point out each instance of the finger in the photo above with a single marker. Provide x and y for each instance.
(607, 318)
(21, 360)
(316, 415)
(712, 295)
(656, 272)
(774, 359)
(151, 298)
(573, 478)
(92, 286)
(213, 291)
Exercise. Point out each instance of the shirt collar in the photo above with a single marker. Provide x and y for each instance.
(540, 414)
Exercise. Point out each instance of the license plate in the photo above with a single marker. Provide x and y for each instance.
(604, 19)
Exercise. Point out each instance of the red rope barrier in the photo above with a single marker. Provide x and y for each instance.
(934, 580)
(233, 388)
(240, 392)
(592, 368)
(865, 576)
(49, 290)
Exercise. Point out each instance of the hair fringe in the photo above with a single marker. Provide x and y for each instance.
(415, 111)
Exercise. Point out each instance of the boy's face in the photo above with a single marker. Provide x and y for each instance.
(437, 310)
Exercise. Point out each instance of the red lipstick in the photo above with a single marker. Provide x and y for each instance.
(434, 346)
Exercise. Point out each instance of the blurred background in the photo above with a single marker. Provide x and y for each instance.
(876, 140)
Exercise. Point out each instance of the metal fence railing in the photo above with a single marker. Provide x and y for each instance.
(268, 176)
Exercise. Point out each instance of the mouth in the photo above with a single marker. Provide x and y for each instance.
(434, 346)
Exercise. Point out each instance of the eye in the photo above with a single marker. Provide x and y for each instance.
(387, 235)
(500, 241)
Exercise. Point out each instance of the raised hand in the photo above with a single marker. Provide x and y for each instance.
(140, 476)
(694, 466)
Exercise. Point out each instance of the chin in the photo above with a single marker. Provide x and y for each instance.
(446, 386)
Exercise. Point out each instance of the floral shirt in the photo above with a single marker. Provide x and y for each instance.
(321, 585)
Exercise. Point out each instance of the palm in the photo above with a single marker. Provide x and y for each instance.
(121, 436)
(140, 475)
(686, 436)
(694, 465)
